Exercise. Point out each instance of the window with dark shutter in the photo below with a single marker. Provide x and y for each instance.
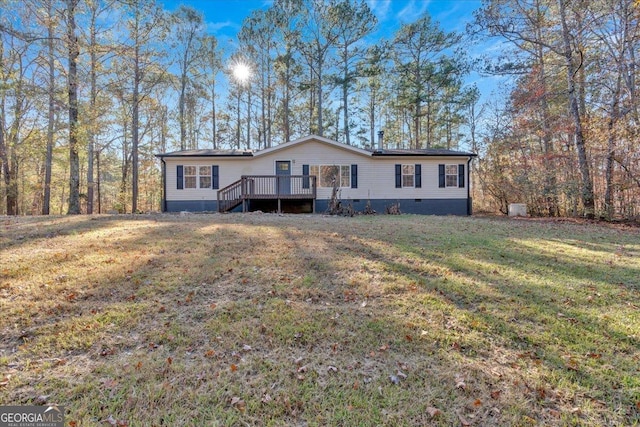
(398, 176)
(180, 177)
(354, 176)
(418, 173)
(441, 176)
(461, 176)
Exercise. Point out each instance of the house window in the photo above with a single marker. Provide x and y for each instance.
(190, 177)
(204, 173)
(197, 177)
(451, 175)
(330, 174)
(408, 174)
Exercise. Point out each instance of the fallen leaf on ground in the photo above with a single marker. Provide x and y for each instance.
(238, 403)
(433, 412)
(113, 422)
(463, 421)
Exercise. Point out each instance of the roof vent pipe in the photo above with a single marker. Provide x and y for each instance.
(380, 139)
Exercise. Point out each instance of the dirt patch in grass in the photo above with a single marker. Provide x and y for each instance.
(311, 320)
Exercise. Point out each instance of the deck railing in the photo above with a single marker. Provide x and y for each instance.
(230, 196)
(267, 187)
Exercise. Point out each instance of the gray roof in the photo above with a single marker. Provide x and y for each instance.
(207, 153)
(423, 152)
(433, 152)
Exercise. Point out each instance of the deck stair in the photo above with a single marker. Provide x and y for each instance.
(266, 187)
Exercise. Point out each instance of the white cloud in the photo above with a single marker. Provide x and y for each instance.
(413, 10)
(214, 27)
(380, 8)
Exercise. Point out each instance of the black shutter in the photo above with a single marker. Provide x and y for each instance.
(418, 169)
(305, 179)
(398, 176)
(461, 176)
(180, 176)
(441, 180)
(354, 176)
(215, 177)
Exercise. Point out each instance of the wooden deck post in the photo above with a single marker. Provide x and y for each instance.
(314, 193)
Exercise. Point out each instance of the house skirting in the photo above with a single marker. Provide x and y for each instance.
(410, 206)
(192, 206)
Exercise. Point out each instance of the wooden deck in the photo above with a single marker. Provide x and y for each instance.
(267, 187)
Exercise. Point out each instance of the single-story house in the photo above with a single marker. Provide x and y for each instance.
(299, 176)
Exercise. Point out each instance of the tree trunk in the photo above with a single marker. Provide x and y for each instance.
(181, 112)
(214, 139)
(345, 96)
(11, 197)
(372, 117)
(248, 116)
(269, 106)
(48, 163)
(319, 100)
(92, 110)
(286, 99)
(98, 195)
(587, 195)
(611, 149)
(134, 130)
(163, 129)
(74, 161)
(416, 124)
(550, 184)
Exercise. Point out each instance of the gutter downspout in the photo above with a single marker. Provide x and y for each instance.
(469, 201)
(163, 204)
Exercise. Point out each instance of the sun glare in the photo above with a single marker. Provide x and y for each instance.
(241, 72)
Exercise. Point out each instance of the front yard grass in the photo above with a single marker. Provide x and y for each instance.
(268, 320)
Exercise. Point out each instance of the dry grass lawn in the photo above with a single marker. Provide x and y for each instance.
(268, 320)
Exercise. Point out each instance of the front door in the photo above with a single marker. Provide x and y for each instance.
(283, 173)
